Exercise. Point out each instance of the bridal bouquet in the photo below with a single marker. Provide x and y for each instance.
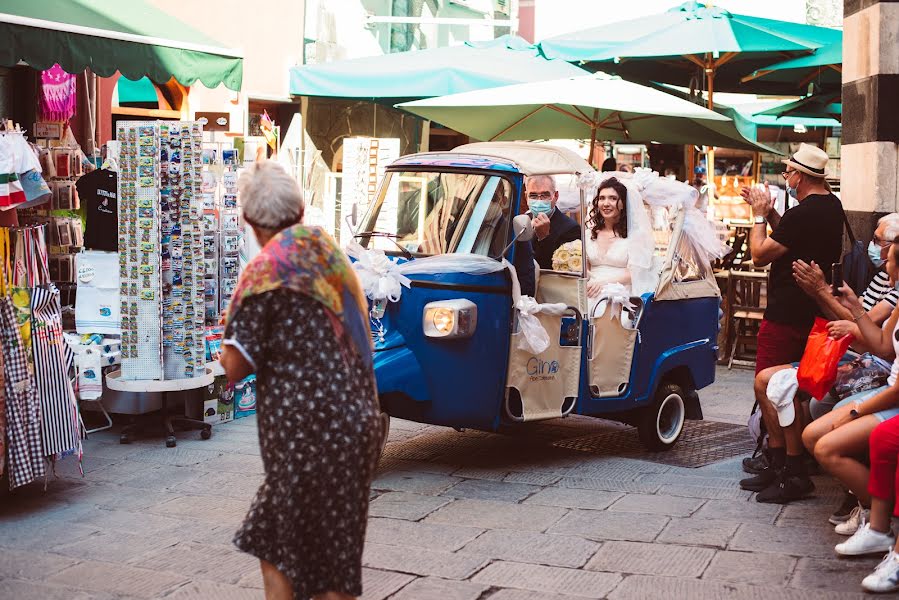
(569, 257)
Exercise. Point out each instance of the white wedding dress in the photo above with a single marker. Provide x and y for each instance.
(611, 267)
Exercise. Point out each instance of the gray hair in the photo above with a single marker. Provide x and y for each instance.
(270, 197)
(547, 178)
(891, 231)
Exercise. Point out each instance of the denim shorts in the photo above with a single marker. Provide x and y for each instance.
(860, 398)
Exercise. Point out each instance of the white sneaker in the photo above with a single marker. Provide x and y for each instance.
(857, 518)
(866, 541)
(885, 577)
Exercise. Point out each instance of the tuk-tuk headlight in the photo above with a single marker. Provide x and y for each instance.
(450, 319)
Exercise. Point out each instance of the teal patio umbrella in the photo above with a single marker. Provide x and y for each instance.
(824, 68)
(429, 73)
(816, 106)
(690, 39)
(593, 107)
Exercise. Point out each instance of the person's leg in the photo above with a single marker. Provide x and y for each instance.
(837, 452)
(884, 449)
(277, 585)
(776, 452)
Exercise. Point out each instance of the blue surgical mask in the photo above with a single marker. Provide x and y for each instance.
(874, 254)
(540, 207)
(793, 192)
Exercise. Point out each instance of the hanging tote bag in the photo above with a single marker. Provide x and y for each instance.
(20, 290)
(23, 413)
(59, 408)
(818, 367)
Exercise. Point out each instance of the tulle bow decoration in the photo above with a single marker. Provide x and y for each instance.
(534, 337)
(380, 276)
(616, 296)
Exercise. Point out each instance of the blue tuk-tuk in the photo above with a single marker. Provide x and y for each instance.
(448, 348)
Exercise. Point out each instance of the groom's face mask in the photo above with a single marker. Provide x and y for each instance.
(540, 202)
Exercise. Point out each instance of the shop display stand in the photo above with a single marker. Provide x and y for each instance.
(114, 381)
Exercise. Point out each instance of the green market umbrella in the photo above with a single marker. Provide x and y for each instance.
(823, 67)
(430, 73)
(815, 107)
(592, 107)
(106, 36)
(673, 46)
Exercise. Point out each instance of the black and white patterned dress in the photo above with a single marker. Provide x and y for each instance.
(317, 412)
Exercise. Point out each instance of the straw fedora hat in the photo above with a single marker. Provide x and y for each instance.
(809, 159)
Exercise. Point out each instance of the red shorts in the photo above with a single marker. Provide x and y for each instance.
(779, 344)
(884, 445)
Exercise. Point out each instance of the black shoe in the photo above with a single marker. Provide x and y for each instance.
(755, 465)
(760, 481)
(841, 515)
(786, 488)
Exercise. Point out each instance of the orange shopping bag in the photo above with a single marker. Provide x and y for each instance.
(818, 367)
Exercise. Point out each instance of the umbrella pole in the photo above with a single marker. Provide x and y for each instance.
(592, 160)
(710, 154)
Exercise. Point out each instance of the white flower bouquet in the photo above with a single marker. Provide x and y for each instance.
(569, 257)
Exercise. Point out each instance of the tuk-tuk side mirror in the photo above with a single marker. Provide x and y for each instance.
(523, 228)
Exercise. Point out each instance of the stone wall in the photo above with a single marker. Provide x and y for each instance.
(870, 152)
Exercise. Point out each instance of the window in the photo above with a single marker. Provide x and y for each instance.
(431, 213)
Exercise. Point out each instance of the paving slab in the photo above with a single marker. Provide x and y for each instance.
(697, 491)
(574, 498)
(604, 525)
(202, 590)
(402, 505)
(131, 522)
(36, 566)
(378, 585)
(497, 515)
(749, 511)
(656, 505)
(30, 590)
(833, 574)
(535, 478)
(805, 515)
(176, 457)
(795, 541)
(499, 491)
(531, 547)
(115, 578)
(746, 567)
(204, 508)
(416, 483)
(644, 587)
(116, 546)
(698, 532)
(572, 582)
(436, 536)
(651, 559)
(235, 463)
(229, 485)
(609, 485)
(508, 594)
(485, 473)
(223, 564)
(442, 589)
(418, 561)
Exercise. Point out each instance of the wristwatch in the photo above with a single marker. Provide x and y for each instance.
(854, 414)
(759, 220)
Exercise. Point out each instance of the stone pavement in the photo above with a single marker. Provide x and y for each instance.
(455, 516)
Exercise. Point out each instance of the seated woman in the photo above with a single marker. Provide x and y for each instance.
(837, 438)
(620, 245)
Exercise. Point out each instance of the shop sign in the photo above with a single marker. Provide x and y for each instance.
(47, 130)
(214, 121)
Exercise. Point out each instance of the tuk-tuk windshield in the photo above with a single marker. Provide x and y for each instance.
(430, 213)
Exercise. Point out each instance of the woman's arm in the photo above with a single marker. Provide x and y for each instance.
(236, 366)
(879, 340)
(810, 278)
(885, 400)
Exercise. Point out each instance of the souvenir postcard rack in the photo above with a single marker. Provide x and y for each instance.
(161, 250)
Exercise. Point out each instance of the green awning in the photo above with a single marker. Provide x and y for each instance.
(106, 36)
(141, 91)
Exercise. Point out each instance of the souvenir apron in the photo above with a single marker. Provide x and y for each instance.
(59, 409)
(23, 411)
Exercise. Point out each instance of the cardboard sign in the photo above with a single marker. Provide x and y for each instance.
(47, 130)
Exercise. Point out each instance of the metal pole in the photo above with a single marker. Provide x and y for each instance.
(593, 137)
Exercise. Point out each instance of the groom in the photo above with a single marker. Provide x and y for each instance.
(552, 228)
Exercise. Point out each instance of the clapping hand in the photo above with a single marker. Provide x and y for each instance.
(809, 277)
(541, 225)
(760, 200)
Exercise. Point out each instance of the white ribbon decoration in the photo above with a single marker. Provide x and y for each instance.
(616, 296)
(384, 279)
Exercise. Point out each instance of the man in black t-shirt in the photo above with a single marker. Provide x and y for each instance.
(98, 194)
(811, 232)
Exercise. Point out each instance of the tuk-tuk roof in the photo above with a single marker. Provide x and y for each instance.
(454, 159)
(531, 158)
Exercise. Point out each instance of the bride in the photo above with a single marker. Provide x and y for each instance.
(619, 249)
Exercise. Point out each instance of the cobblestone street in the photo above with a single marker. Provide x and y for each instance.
(454, 516)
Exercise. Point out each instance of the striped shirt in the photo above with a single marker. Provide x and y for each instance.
(879, 289)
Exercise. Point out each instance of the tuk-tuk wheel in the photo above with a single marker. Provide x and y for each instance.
(384, 426)
(662, 422)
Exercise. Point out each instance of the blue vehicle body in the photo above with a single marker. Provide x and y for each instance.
(462, 382)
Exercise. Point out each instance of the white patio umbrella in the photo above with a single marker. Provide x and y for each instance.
(595, 107)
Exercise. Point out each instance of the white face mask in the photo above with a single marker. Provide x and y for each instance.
(874, 252)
